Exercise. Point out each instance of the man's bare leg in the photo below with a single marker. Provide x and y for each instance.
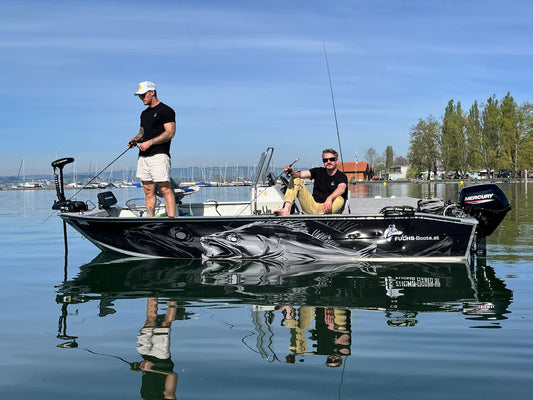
(170, 199)
(149, 197)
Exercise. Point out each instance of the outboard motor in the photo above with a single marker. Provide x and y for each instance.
(488, 204)
(62, 203)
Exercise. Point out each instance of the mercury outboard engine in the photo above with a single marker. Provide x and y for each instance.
(62, 203)
(488, 204)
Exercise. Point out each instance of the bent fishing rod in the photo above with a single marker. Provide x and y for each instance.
(131, 145)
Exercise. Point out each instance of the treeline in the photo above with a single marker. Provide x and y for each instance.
(491, 136)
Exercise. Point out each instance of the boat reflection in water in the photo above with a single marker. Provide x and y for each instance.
(315, 300)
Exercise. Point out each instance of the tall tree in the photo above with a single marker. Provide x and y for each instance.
(389, 158)
(525, 137)
(508, 127)
(424, 148)
(473, 137)
(453, 151)
(490, 134)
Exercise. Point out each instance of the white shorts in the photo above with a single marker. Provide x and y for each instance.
(155, 168)
(154, 342)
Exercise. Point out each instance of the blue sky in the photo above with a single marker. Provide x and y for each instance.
(245, 75)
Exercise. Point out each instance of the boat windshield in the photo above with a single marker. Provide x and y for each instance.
(262, 166)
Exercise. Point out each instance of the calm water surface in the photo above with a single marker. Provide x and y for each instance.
(80, 326)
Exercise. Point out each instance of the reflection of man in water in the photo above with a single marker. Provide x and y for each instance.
(297, 322)
(159, 381)
(332, 333)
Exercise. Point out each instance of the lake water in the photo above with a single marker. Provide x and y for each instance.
(78, 327)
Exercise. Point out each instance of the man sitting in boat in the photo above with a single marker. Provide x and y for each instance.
(329, 188)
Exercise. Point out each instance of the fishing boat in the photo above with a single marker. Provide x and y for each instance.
(399, 229)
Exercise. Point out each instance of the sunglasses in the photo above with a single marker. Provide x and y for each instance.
(142, 96)
(325, 160)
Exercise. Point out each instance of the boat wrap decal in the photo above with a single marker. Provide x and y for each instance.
(282, 238)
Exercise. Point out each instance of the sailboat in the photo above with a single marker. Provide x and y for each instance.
(24, 184)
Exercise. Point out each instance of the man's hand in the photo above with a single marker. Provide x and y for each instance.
(328, 205)
(145, 145)
(132, 143)
(287, 170)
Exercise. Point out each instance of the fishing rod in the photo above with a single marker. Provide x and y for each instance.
(60, 189)
(333, 102)
(131, 364)
(131, 145)
(334, 111)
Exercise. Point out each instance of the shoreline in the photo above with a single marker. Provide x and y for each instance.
(376, 182)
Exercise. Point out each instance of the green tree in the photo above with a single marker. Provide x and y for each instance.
(508, 129)
(490, 134)
(389, 158)
(424, 145)
(454, 152)
(525, 137)
(516, 134)
(473, 137)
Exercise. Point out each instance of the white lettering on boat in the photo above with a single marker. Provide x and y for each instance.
(416, 281)
(408, 238)
(479, 197)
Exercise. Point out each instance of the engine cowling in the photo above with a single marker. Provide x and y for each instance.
(487, 203)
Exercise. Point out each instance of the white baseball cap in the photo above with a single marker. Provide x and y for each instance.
(144, 87)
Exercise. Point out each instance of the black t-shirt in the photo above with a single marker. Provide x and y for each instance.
(324, 184)
(152, 121)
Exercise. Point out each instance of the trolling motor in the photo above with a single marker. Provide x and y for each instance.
(62, 204)
(486, 203)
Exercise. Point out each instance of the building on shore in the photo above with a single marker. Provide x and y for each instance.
(357, 171)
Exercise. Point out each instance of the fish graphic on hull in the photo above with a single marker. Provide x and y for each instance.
(277, 240)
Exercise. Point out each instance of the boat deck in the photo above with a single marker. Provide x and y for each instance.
(375, 204)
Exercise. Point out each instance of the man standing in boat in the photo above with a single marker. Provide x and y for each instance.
(158, 127)
(329, 188)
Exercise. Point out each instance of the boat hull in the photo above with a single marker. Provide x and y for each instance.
(418, 236)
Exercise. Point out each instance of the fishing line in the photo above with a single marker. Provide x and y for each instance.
(109, 355)
(342, 377)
